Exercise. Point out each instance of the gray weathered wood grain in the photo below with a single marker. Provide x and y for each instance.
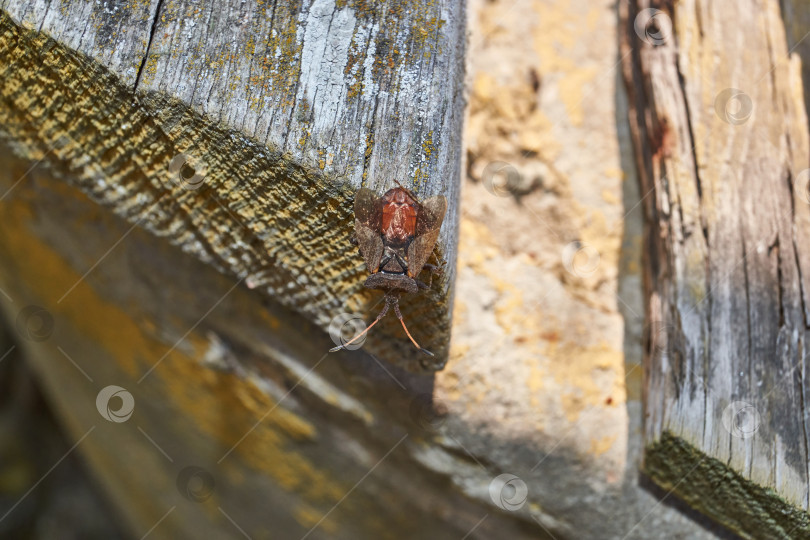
(282, 109)
(720, 133)
(363, 91)
(115, 34)
(366, 92)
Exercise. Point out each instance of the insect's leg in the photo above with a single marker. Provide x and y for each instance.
(383, 311)
(399, 316)
(431, 269)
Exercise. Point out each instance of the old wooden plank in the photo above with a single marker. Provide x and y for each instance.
(366, 91)
(720, 133)
(277, 171)
(114, 34)
(282, 443)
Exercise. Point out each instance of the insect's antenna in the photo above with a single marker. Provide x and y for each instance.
(399, 316)
(383, 311)
(355, 338)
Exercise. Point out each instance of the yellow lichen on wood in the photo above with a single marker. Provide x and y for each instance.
(256, 214)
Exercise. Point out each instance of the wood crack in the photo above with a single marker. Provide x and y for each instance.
(802, 290)
(44, 16)
(148, 44)
(692, 151)
(774, 249)
(800, 348)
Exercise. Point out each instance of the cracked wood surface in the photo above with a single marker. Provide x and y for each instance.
(282, 109)
(720, 133)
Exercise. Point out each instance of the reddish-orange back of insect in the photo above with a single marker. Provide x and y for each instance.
(398, 216)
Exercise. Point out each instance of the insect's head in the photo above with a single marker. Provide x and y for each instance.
(410, 194)
(399, 197)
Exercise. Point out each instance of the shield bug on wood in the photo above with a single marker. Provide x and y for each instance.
(396, 234)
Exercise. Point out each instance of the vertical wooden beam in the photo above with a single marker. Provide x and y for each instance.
(720, 133)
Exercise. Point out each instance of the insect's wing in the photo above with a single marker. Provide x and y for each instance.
(371, 245)
(419, 250)
(367, 209)
(428, 222)
(367, 223)
(431, 214)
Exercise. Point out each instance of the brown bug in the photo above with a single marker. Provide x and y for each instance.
(396, 234)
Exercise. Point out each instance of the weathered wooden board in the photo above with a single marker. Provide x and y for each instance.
(286, 444)
(721, 139)
(280, 116)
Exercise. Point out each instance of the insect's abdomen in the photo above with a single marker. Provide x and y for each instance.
(398, 223)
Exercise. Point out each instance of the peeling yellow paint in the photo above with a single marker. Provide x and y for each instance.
(458, 351)
(554, 34)
(536, 383)
(476, 243)
(609, 196)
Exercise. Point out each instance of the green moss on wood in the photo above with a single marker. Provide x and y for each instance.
(712, 488)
